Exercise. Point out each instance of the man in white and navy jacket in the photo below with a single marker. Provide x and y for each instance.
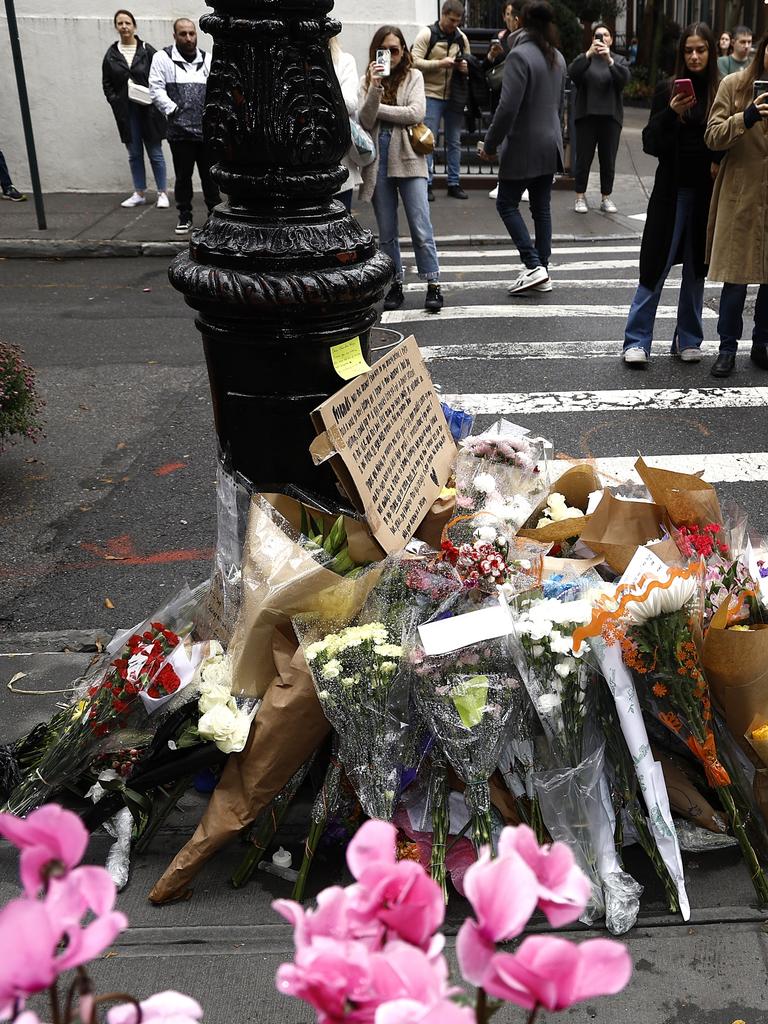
(177, 82)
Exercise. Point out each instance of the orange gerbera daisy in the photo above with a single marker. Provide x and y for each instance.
(660, 689)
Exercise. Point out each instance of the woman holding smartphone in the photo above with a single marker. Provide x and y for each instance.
(675, 227)
(389, 104)
(738, 218)
(599, 76)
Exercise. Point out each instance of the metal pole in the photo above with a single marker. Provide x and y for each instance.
(26, 119)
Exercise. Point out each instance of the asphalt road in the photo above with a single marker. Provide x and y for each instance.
(118, 502)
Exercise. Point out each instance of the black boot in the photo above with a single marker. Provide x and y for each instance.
(724, 365)
(434, 300)
(394, 297)
(759, 356)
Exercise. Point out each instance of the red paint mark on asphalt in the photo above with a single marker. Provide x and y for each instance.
(157, 558)
(169, 467)
(122, 549)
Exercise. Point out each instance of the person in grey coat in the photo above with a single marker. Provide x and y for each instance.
(526, 133)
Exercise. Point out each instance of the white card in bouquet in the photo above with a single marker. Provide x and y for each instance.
(446, 635)
(643, 563)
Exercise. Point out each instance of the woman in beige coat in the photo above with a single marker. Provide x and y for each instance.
(737, 232)
(388, 106)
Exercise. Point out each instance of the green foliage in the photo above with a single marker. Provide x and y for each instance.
(570, 29)
(20, 406)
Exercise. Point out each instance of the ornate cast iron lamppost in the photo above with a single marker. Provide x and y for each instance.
(281, 272)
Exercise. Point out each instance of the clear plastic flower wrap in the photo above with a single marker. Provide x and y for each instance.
(142, 669)
(469, 693)
(356, 668)
(572, 790)
(501, 471)
(486, 553)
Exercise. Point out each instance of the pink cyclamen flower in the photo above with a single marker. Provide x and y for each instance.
(329, 975)
(564, 889)
(399, 895)
(333, 917)
(162, 1008)
(551, 972)
(28, 941)
(410, 986)
(503, 893)
(49, 837)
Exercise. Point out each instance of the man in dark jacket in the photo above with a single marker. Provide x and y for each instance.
(177, 83)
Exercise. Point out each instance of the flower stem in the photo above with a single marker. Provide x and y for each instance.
(534, 1014)
(53, 994)
(481, 1006)
(759, 880)
(438, 795)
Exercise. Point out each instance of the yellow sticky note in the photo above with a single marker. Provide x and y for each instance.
(347, 359)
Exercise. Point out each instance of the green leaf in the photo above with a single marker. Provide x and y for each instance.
(469, 699)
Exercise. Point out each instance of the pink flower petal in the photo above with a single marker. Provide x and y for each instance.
(373, 843)
(503, 893)
(87, 943)
(606, 968)
(162, 1007)
(474, 952)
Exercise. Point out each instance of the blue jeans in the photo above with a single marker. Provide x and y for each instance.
(453, 122)
(730, 323)
(136, 155)
(689, 330)
(508, 203)
(413, 192)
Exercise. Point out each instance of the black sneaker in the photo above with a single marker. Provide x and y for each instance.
(457, 192)
(394, 297)
(759, 356)
(185, 223)
(13, 194)
(434, 300)
(430, 194)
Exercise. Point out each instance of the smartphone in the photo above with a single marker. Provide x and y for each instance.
(384, 58)
(600, 37)
(684, 87)
(759, 88)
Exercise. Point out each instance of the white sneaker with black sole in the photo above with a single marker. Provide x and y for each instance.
(528, 280)
(636, 356)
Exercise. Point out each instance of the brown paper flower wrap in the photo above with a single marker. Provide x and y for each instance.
(684, 796)
(617, 528)
(289, 727)
(687, 498)
(281, 579)
(736, 666)
(575, 484)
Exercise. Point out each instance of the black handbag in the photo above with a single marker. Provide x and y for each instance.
(494, 77)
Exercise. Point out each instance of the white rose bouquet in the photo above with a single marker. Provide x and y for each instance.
(221, 720)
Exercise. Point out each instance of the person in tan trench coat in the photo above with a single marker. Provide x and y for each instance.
(737, 231)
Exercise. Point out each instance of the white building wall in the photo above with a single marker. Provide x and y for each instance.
(78, 148)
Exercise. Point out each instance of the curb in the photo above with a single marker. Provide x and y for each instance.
(74, 249)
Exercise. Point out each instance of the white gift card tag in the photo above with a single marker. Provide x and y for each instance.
(446, 635)
(644, 563)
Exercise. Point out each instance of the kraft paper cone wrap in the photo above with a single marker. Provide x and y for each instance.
(688, 499)
(617, 528)
(432, 525)
(576, 484)
(736, 666)
(684, 797)
(289, 727)
(360, 541)
(281, 579)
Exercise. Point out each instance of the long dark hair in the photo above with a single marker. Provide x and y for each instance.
(751, 74)
(398, 74)
(711, 72)
(539, 23)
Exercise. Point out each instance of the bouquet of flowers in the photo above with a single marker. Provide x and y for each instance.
(573, 790)
(145, 669)
(498, 472)
(657, 624)
(467, 692)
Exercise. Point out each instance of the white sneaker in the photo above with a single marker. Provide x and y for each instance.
(162, 201)
(528, 280)
(580, 206)
(134, 200)
(494, 193)
(545, 286)
(636, 355)
(689, 355)
(525, 198)
(607, 205)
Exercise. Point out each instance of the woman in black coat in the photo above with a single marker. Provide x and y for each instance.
(140, 123)
(676, 225)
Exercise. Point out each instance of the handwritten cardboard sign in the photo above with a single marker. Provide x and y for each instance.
(388, 443)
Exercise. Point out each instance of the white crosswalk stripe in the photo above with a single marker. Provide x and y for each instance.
(524, 357)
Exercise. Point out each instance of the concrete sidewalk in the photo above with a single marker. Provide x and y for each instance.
(85, 224)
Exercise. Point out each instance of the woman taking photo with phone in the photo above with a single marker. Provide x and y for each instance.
(390, 104)
(140, 124)
(738, 219)
(676, 223)
(599, 76)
